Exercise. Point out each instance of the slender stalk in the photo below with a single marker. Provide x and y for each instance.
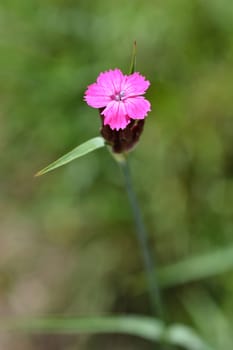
(142, 236)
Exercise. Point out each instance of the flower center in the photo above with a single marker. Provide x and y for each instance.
(119, 96)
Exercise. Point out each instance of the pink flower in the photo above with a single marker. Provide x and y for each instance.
(119, 97)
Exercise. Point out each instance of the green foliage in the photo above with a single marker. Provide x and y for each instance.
(79, 151)
(145, 327)
(67, 240)
(133, 59)
(192, 269)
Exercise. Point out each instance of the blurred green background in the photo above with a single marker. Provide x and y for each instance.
(67, 243)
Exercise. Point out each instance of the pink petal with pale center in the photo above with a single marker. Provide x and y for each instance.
(120, 95)
(135, 84)
(115, 115)
(137, 107)
(111, 81)
(96, 96)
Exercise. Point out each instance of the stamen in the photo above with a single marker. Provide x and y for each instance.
(122, 93)
(119, 96)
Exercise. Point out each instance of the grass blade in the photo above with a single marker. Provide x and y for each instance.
(141, 326)
(189, 270)
(196, 268)
(81, 150)
(201, 307)
(133, 59)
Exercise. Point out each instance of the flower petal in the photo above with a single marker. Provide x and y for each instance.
(96, 97)
(135, 84)
(137, 107)
(115, 115)
(111, 81)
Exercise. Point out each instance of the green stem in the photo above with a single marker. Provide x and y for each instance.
(142, 237)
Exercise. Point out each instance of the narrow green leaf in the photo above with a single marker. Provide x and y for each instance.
(196, 268)
(86, 147)
(133, 59)
(191, 269)
(141, 326)
(201, 307)
(184, 336)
